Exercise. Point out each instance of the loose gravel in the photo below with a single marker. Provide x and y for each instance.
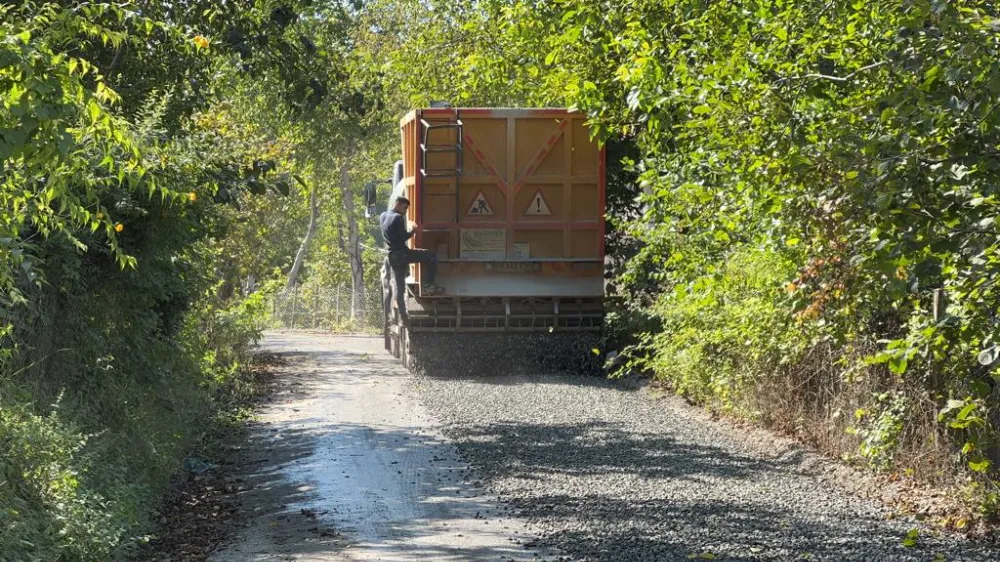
(606, 471)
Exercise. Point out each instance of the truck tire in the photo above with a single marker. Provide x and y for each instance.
(405, 348)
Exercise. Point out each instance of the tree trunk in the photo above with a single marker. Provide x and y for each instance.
(300, 256)
(353, 241)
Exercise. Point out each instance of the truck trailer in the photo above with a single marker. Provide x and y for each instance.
(512, 202)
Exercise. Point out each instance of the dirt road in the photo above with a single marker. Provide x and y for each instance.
(359, 460)
(350, 467)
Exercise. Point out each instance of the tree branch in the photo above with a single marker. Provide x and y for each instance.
(843, 79)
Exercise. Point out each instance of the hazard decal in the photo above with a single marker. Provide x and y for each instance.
(538, 205)
(480, 206)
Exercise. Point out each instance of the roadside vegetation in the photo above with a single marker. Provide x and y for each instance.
(145, 208)
(802, 199)
(816, 245)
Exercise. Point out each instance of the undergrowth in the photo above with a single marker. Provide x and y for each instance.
(736, 340)
(86, 448)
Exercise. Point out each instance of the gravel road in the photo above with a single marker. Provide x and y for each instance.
(373, 463)
(606, 471)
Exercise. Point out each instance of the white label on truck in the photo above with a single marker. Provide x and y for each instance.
(538, 205)
(483, 243)
(522, 250)
(480, 206)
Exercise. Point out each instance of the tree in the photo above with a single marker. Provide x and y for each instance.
(300, 255)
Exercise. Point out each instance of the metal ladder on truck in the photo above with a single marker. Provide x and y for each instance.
(457, 149)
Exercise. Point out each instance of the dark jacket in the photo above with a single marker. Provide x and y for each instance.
(394, 230)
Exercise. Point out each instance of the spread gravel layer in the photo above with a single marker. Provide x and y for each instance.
(606, 471)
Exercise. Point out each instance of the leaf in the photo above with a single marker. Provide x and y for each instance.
(595, 351)
(931, 76)
(282, 187)
(911, 538)
(981, 389)
(701, 556)
(963, 414)
(632, 99)
(702, 109)
(897, 365)
(256, 187)
(781, 33)
(979, 464)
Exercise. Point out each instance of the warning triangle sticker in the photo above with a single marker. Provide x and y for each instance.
(538, 205)
(480, 206)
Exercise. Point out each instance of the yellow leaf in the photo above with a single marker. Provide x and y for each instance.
(200, 42)
(701, 556)
(961, 523)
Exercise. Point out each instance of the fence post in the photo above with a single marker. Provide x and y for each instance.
(295, 300)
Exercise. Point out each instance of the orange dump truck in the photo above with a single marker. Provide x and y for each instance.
(512, 202)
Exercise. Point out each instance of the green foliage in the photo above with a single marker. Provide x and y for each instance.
(722, 333)
(848, 149)
(129, 195)
(880, 430)
(857, 138)
(80, 470)
(61, 147)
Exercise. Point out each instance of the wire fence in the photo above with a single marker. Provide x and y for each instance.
(331, 308)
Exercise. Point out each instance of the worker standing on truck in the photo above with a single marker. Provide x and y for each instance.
(395, 234)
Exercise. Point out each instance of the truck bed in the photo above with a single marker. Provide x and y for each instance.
(492, 188)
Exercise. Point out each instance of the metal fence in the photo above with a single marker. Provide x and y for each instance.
(328, 308)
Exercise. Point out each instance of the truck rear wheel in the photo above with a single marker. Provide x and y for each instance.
(405, 348)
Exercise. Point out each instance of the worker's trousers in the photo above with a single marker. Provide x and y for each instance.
(399, 263)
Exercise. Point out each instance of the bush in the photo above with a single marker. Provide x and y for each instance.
(724, 336)
(82, 470)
